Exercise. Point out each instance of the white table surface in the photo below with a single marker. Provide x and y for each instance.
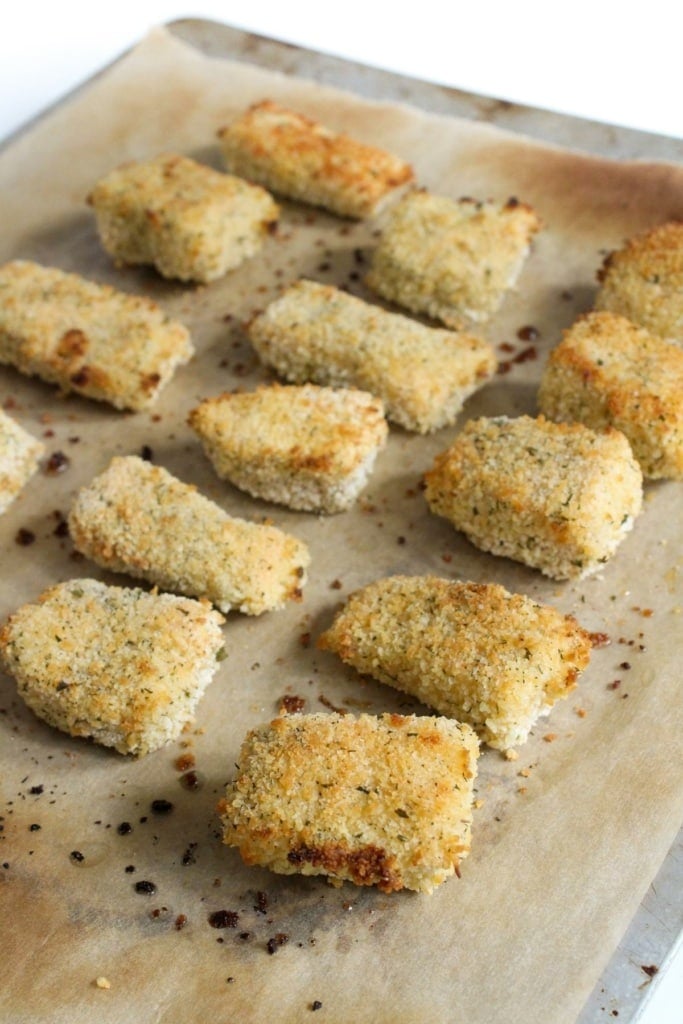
(614, 62)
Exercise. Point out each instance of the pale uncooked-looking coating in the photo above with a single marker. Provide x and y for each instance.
(139, 519)
(19, 455)
(299, 157)
(452, 260)
(119, 665)
(315, 332)
(308, 447)
(87, 337)
(383, 801)
(188, 220)
(606, 371)
(558, 497)
(472, 651)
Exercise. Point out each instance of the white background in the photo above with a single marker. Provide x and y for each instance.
(618, 62)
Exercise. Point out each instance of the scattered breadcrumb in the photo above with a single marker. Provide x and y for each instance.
(188, 220)
(606, 371)
(298, 157)
(383, 801)
(452, 260)
(308, 447)
(102, 982)
(472, 651)
(558, 497)
(316, 332)
(87, 337)
(139, 519)
(122, 666)
(644, 281)
(19, 455)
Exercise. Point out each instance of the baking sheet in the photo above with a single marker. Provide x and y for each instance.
(567, 838)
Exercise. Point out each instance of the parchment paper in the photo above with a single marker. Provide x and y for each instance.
(566, 838)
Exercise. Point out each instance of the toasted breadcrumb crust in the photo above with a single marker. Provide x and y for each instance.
(307, 447)
(644, 281)
(19, 455)
(383, 801)
(298, 157)
(86, 337)
(453, 260)
(606, 371)
(558, 497)
(124, 667)
(316, 332)
(139, 519)
(472, 651)
(188, 220)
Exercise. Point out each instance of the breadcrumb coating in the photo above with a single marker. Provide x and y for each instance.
(87, 337)
(452, 260)
(383, 801)
(423, 375)
(188, 220)
(472, 651)
(558, 497)
(298, 157)
(139, 519)
(19, 455)
(121, 666)
(308, 447)
(606, 371)
(644, 281)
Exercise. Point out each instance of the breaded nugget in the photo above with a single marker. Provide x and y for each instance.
(138, 519)
(644, 281)
(451, 260)
(472, 651)
(307, 447)
(87, 337)
(383, 801)
(422, 374)
(558, 497)
(189, 221)
(119, 665)
(19, 455)
(301, 158)
(606, 371)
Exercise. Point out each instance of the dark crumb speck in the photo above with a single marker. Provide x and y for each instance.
(184, 762)
(291, 704)
(336, 585)
(129, 869)
(261, 905)
(36, 790)
(189, 857)
(146, 453)
(124, 829)
(277, 940)
(191, 781)
(24, 537)
(180, 922)
(145, 888)
(162, 806)
(316, 1005)
(528, 333)
(223, 919)
(650, 969)
(58, 462)
(76, 857)
(34, 827)
(244, 936)
(305, 639)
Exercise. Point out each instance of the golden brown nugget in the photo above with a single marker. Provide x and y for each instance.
(307, 447)
(121, 666)
(452, 260)
(298, 157)
(189, 221)
(87, 337)
(138, 519)
(606, 371)
(558, 497)
(383, 801)
(423, 375)
(472, 651)
(19, 455)
(644, 281)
